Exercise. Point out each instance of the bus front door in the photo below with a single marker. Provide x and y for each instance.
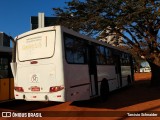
(92, 70)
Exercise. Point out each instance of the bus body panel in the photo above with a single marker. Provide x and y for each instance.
(108, 72)
(78, 82)
(40, 70)
(33, 76)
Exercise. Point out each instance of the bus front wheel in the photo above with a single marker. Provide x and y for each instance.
(104, 89)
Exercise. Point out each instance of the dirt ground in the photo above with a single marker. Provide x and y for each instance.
(138, 99)
(142, 76)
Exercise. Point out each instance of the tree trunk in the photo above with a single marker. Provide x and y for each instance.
(155, 77)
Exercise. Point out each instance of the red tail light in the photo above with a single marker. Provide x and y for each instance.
(19, 89)
(56, 88)
(34, 62)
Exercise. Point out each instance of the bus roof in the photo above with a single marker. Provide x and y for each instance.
(69, 31)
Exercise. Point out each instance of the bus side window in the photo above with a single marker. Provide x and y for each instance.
(68, 50)
(100, 55)
(125, 59)
(104, 56)
(109, 56)
(75, 50)
(3, 67)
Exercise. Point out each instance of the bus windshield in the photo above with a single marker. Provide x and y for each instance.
(36, 46)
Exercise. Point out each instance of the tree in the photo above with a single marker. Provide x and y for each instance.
(135, 22)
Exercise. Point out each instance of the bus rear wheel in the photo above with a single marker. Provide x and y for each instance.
(104, 89)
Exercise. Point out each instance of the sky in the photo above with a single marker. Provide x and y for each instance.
(15, 14)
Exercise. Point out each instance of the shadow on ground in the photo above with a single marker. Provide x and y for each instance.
(25, 106)
(139, 92)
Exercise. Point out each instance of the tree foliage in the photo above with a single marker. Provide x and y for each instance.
(135, 22)
(132, 24)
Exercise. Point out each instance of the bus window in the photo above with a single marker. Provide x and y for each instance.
(37, 46)
(109, 56)
(75, 50)
(100, 55)
(125, 59)
(3, 67)
(104, 56)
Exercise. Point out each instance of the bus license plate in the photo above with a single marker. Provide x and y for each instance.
(35, 88)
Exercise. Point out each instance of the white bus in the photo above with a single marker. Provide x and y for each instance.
(58, 64)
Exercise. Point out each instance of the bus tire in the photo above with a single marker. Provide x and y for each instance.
(104, 89)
